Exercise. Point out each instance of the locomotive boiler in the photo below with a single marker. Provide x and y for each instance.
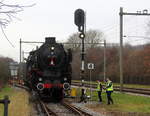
(49, 70)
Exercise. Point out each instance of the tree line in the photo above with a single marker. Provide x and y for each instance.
(4, 70)
(136, 60)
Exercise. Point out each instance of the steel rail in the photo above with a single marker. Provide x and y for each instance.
(49, 112)
(75, 109)
(68, 106)
(46, 109)
(22, 87)
(117, 88)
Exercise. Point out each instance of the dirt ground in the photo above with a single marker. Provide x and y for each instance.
(19, 105)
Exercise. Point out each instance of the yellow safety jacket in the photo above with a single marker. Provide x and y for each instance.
(99, 86)
(109, 86)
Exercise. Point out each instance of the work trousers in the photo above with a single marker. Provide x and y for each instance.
(109, 99)
(99, 96)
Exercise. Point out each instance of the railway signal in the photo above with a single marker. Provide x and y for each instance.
(80, 19)
(80, 22)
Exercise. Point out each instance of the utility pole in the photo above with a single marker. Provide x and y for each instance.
(104, 60)
(121, 13)
(23, 56)
(121, 49)
(23, 42)
(20, 50)
(20, 67)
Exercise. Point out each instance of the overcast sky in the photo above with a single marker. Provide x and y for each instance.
(56, 18)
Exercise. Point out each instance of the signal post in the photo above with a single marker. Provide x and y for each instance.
(80, 22)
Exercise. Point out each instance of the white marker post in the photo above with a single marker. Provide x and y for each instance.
(90, 67)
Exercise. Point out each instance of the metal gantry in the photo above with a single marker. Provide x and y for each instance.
(121, 13)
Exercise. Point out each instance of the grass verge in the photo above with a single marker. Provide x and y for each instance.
(122, 102)
(19, 105)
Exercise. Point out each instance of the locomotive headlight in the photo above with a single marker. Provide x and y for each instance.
(65, 79)
(40, 79)
(52, 48)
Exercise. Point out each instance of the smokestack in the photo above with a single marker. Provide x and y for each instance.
(50, 40)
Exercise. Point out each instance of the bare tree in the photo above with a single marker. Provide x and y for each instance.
(4, 70)
(92, 37)
(8, 12)
(73, 42)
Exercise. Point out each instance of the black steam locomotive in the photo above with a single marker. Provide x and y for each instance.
(49, 70)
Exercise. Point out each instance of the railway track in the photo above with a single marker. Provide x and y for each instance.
(22, 86)
(117, 88)
(46, 110)
(61, 109)
(143, 91)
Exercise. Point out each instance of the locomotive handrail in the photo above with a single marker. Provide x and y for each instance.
(5, 101)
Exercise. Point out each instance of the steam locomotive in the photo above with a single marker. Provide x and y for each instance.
(49, 70)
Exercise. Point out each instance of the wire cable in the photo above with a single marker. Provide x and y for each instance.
(6, 37)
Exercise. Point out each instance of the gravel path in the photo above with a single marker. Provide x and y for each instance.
(90, 111)
(60, 109)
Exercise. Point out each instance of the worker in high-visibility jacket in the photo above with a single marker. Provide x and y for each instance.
(99, 90)
(109, 90)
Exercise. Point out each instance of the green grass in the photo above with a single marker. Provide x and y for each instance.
(19, 105)
(123, 102)
(5, 91)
